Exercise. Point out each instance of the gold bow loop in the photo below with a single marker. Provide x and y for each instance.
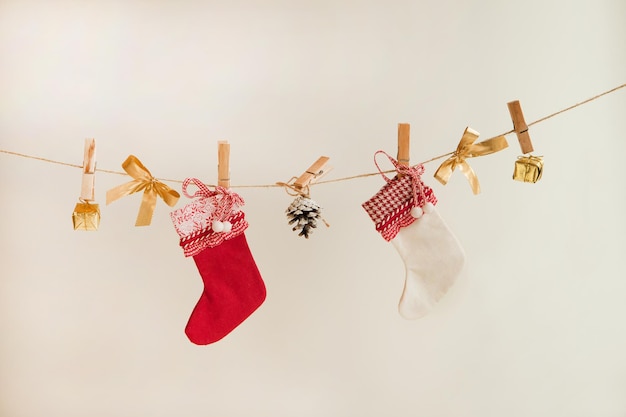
(468, 149)
(143, 180)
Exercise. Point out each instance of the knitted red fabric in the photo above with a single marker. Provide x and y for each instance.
(233, 289)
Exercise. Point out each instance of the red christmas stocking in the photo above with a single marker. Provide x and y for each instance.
(211, 230)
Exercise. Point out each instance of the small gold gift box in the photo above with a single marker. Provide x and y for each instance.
(86, 216)
(528, 168)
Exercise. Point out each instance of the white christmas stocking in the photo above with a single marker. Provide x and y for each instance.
(404, 213)
(432, 258)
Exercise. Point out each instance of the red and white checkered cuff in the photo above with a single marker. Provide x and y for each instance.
(399, 218)
(199, 240)
(390, 208)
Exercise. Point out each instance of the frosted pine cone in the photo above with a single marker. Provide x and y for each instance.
(303, 213)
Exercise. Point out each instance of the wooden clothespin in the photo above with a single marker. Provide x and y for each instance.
(520, 126)
(314, 173)
(404, 141)
(89, 171)
(223, 169)
(86, 215)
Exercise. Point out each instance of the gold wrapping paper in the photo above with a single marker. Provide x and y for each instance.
(86, 216)
(528, 168)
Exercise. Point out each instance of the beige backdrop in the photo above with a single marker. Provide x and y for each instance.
(92, 324)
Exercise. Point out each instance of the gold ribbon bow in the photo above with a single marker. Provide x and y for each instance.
(151, 188)
(468, 149)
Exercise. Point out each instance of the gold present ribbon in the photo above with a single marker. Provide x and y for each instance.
(151, 188)
(468, 149)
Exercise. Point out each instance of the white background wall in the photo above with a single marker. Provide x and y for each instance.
(92, 324)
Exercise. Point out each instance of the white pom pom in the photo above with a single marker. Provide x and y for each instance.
(217, 226)
(228, 226)
(417, 212)
(428, 208)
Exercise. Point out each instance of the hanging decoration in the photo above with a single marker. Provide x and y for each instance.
(86, 215)
(143, 180)
(528, 168)
(468, 149)
(403, 212)
(233, 286)
(303, 213)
